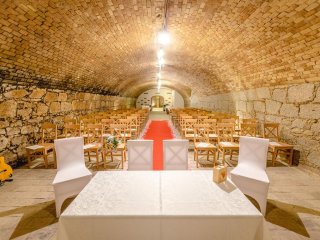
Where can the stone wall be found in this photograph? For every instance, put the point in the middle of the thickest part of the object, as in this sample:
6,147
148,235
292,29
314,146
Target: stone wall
22,110
295,107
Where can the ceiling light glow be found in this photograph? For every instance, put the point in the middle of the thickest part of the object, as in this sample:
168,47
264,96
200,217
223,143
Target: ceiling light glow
164,38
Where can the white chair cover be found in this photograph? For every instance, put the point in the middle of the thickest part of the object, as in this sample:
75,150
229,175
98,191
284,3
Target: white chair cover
140,154
175,154
250,175
72,175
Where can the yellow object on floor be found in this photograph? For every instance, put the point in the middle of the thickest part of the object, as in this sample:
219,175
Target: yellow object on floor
5,171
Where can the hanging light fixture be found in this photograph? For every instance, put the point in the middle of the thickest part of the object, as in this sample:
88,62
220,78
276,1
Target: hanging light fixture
163,39
164,36
160,53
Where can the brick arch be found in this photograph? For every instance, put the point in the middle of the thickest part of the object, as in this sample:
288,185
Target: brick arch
108,46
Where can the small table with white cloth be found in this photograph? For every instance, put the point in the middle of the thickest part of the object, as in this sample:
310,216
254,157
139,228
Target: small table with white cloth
166,205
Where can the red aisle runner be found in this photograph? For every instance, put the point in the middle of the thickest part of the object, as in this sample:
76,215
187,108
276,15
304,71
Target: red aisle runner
158,131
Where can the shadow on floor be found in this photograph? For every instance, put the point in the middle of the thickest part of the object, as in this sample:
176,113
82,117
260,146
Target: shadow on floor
287,215
34,217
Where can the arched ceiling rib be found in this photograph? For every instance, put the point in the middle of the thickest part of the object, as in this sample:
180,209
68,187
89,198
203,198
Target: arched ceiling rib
109,46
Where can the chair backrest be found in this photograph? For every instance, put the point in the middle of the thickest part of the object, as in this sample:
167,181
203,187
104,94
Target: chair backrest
248,129
49,132
201,119
253,152
119,131
189,126
94,133
271,131
140,154
72,130
249,120
69,152
70,121
225,132
175,154
201,133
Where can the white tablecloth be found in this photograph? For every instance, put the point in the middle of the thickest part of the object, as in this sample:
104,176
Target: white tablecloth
167,205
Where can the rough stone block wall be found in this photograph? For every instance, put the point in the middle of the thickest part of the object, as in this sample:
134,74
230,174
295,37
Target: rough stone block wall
23,109
295,107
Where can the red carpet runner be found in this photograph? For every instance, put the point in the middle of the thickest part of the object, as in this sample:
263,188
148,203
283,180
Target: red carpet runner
158,131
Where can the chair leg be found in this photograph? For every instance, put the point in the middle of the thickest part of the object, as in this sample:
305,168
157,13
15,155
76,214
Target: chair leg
105,159
197,156
97,158
291,157
122,162
214,158
29,160
223,155
274,156
231,154
45,158
54,159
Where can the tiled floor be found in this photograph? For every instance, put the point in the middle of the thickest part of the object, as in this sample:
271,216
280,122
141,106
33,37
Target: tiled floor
27,209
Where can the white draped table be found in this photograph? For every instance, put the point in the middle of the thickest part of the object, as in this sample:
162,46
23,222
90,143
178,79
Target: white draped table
154,205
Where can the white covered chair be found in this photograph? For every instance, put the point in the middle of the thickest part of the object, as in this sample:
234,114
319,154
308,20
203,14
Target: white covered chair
175,154
140,154
72,175
250,174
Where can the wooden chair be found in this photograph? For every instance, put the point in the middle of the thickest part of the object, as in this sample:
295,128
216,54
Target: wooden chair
183,123
134,125
34,152
127,131
189,133
118,131
49,133
271,131
94,142
213,136
225,140
202,146
106,127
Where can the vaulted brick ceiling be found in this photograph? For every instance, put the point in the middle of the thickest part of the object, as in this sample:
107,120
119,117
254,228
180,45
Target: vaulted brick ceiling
109,46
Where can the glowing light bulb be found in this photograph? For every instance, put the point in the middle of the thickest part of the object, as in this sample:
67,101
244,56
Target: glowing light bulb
164,37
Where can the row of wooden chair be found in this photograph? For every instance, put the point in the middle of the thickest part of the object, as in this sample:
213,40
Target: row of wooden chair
222,132
123,125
